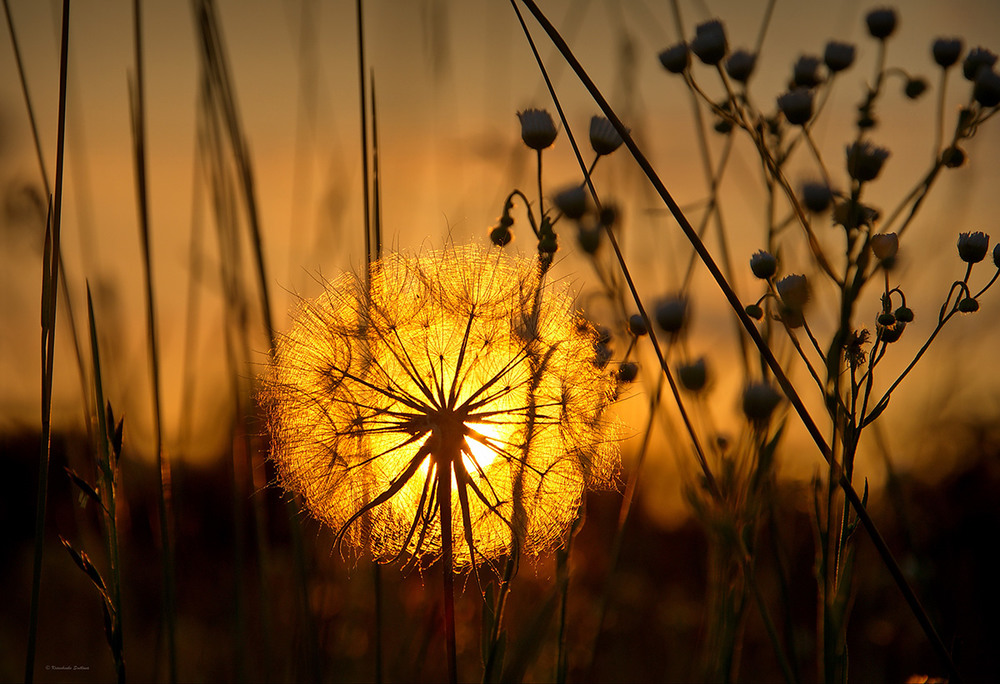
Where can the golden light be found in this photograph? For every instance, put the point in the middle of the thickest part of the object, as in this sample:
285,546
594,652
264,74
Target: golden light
463,361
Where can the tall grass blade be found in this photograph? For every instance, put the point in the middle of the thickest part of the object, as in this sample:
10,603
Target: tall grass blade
63,287
108,446
813,429
222,100
50,283
165,484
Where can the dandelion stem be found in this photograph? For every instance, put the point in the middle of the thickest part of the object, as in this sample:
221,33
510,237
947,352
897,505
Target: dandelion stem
444,504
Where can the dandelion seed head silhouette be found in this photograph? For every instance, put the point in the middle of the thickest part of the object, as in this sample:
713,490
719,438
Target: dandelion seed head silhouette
464,361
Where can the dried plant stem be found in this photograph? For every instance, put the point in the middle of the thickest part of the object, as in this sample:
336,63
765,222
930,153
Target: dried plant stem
165,487
779,374
50,282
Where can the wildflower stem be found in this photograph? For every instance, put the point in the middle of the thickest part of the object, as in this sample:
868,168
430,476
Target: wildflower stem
780,376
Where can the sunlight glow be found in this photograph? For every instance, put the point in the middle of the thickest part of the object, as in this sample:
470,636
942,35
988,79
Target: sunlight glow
375,386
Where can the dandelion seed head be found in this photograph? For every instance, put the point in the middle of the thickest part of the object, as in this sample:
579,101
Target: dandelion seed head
464,360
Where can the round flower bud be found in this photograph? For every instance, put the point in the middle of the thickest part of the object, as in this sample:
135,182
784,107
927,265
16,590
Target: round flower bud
603,136
538,131
946,51
886,319
885,245
627,372
881,22
676,58
740,65
892,333
709,43
763,264
978,58
608,216
953,157
571,201
805,72
723,126
864,160
816,196
693,376
501,236
838,56
637,326
914,88
904,314
986,88
797,106
996,256
754,311
972,247
671,313
589,238
794,291
968,305
759,402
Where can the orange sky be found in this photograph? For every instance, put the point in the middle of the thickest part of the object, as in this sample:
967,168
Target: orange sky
450,77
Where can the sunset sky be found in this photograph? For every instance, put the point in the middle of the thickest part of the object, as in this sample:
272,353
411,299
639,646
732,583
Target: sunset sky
450,77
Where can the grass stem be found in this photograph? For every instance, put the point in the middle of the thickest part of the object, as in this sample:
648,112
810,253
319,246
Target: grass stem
50,281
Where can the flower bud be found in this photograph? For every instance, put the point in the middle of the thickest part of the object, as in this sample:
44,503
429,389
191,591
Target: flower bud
501,236
892,333
759,402
671,313
797,106
986,88
603,136
740,65
886,319
914,88
627,372
881,22
694,375
904,314
968,305
763,264
709,42
805,72
589,238
538,131
571,201
978,58
816,196
754,311
637,326
794,291
864,160
996,256
885,245
972,247
953,157
838,56
946,51
676,59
